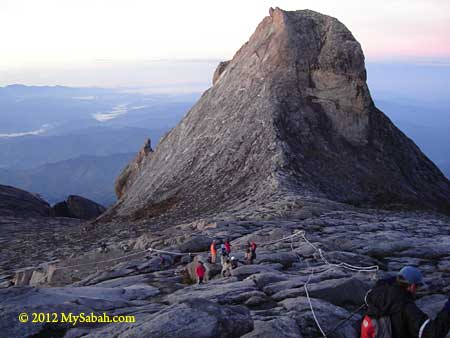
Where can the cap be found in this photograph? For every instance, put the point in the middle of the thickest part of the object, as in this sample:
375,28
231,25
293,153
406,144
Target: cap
411,275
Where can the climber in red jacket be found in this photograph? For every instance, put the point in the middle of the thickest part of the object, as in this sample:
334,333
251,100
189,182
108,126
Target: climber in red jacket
200,271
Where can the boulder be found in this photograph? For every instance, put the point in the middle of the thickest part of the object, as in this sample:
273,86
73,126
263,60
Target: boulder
77,207
224,291
20,203
282,327
284,258
432,304
22,277
340,292
244,271
328,315
67,300
194,318
265,278
196,243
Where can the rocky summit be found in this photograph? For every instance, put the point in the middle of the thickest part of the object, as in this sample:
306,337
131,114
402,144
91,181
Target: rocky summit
286,149
289,117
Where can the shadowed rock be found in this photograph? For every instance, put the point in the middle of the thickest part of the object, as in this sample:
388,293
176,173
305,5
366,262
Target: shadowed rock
20,203
77,207
132,170
196,318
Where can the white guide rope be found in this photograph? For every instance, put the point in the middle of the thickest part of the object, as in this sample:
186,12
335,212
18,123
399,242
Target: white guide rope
300,234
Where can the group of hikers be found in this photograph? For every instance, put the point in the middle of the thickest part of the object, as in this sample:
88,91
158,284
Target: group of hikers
391,311
227,261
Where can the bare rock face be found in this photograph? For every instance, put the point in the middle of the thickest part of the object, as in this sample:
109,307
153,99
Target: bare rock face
132,170
20,203
219,71
77,207
289,115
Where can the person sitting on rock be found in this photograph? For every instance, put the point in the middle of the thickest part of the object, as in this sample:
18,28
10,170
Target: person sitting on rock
391,308
226,268
200,272
213,251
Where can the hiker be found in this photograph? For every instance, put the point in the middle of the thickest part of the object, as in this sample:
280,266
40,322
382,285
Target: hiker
228,246
226,268
251,252
223,254
253,249
234,263
392,312
248,255
213,251
200,272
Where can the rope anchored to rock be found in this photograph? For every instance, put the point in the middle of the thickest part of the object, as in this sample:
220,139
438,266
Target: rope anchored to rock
299,234
343,265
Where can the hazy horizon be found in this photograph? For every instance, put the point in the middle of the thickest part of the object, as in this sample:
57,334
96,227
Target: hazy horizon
50,34
184,76
144,44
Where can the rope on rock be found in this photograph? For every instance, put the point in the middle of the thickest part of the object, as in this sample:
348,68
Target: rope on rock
310,303
373,268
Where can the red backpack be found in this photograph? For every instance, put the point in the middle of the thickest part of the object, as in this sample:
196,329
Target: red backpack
376,327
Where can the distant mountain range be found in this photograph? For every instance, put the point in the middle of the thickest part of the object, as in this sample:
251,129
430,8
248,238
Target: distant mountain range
31,151
90,176
59,141
81,132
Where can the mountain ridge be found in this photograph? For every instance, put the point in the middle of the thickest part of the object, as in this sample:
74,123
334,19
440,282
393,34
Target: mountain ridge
86,175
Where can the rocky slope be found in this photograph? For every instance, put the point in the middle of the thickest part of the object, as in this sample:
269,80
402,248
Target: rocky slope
286,134
19,203
289,116
133,169
266,299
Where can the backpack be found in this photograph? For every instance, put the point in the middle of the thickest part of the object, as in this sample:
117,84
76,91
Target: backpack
376,327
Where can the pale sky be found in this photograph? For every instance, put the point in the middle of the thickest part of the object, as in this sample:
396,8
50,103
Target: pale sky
64,34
